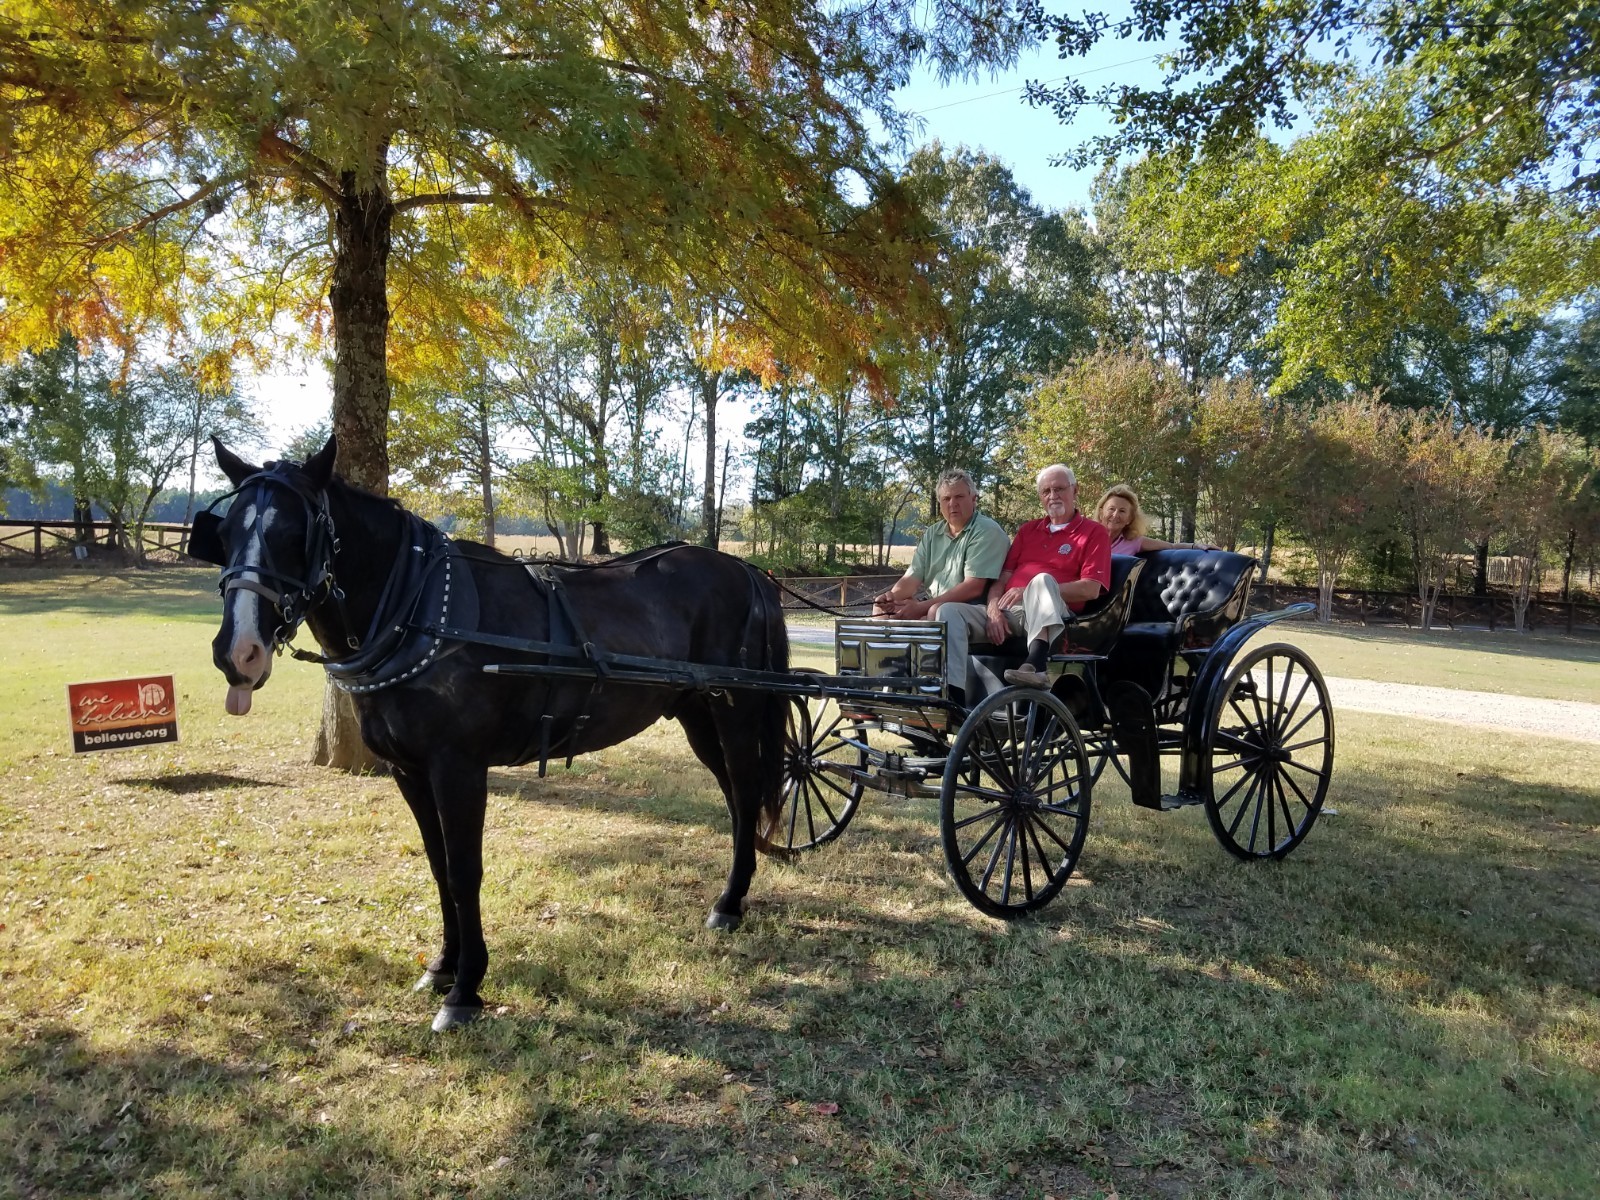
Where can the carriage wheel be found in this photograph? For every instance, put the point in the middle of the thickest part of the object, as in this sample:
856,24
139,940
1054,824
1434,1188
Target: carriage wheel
1271,753
1014,808
818,800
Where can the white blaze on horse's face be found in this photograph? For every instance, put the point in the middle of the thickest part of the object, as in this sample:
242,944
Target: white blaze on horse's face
248,652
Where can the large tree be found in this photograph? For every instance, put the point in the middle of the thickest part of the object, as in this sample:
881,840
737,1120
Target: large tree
1017,284
302,159
1455,157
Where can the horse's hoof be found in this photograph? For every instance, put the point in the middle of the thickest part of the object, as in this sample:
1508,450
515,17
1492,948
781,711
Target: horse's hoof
453,1016
436,981
724,921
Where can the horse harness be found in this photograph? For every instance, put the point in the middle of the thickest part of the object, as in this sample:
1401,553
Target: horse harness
429,606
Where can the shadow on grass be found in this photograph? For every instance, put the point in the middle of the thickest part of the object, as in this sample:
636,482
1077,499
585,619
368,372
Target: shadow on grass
172,593
1183,1025
187,783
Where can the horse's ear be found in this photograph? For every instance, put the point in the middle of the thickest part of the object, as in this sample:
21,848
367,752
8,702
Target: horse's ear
319,467
234,467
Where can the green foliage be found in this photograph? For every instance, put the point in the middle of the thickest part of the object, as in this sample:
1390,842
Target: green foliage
1017,288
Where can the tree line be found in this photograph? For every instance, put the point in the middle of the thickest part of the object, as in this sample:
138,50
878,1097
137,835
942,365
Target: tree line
584,225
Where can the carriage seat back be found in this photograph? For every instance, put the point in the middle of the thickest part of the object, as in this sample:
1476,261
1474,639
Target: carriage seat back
1184,600
1201,593
1101,621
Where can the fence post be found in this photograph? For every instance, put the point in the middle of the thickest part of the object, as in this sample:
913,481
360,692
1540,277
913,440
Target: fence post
38,543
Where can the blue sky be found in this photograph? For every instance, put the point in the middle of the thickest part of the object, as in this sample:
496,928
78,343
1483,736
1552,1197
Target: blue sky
991,114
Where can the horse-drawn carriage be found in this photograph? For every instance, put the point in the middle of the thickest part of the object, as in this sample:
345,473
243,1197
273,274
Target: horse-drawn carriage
457,658
1153,671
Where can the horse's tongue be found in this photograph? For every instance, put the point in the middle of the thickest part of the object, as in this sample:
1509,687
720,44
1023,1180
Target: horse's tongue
239,700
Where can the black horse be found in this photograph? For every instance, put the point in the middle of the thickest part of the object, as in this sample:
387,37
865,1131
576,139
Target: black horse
407,621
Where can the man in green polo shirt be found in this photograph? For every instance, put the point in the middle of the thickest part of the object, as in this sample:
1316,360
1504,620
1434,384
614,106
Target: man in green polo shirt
955,560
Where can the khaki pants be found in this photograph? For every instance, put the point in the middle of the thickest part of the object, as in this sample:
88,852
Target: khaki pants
1040,615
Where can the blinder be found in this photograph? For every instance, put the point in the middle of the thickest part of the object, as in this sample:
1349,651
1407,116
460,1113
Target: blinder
291,596
205,539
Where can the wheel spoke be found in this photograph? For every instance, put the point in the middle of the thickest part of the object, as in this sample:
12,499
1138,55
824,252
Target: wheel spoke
1308,770
999,820
1019,836
1255,820
1244,805
994,760
1000,843
822,800
1054,837
1290,825
1242,780
1267,795
986,814
1316,741
1289,779
1301,724
991,795
1289,710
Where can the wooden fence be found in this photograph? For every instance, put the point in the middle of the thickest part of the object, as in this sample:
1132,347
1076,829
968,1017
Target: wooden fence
854,593
42,541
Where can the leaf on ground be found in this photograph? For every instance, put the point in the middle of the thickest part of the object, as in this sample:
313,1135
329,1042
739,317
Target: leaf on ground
825,1108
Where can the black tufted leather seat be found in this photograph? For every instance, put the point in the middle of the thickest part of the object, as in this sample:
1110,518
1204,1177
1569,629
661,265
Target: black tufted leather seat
1184,600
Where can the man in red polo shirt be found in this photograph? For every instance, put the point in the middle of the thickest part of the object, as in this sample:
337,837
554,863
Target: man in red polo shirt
1059,562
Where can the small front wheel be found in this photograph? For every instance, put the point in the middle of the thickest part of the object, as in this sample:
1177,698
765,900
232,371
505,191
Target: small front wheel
822,749
1014,808
1269,753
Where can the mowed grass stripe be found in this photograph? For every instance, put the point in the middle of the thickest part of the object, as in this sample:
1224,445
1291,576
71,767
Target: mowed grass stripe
208,948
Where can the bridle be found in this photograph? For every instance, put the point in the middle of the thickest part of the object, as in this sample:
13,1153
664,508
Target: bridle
291,596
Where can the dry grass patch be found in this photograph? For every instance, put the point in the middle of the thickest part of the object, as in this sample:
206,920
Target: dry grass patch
207,953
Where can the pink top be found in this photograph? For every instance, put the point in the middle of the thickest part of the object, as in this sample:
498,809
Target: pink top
1127,545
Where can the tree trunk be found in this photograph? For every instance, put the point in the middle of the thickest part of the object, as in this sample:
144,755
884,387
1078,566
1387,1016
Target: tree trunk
709,386
486,473
722,491
359,300
1566,565
1270,529
1480,569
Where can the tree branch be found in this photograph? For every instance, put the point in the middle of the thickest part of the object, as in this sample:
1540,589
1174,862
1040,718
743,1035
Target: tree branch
166,210
428,198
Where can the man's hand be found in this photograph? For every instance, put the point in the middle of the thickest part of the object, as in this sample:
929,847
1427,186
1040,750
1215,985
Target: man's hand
999,629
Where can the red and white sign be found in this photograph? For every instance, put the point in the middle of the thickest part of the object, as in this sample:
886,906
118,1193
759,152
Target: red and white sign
120,713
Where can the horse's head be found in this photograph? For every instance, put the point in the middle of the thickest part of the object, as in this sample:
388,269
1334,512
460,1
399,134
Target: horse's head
275,546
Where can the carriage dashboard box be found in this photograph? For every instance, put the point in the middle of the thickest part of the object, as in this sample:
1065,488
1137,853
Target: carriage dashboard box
118,714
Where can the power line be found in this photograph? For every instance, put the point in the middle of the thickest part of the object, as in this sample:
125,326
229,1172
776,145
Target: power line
1043,83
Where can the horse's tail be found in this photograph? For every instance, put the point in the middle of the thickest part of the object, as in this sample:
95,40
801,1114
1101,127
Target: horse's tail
775,713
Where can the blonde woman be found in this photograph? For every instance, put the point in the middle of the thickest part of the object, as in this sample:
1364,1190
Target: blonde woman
1124,520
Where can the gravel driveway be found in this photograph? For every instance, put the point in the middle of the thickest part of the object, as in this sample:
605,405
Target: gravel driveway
1570,719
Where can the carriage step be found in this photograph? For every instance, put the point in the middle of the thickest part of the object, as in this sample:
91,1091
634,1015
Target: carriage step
1183,800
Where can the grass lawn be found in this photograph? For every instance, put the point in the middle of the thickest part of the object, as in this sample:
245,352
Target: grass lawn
207,951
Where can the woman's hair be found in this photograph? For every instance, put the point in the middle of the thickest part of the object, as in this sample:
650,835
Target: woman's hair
1136,523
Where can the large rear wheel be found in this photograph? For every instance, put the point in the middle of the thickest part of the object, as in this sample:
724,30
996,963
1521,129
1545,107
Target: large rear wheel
821,748
1270,753
1014,807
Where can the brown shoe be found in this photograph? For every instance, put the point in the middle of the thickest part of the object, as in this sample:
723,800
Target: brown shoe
1029,676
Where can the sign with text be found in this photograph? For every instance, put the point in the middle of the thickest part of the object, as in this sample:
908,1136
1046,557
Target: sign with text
120,713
